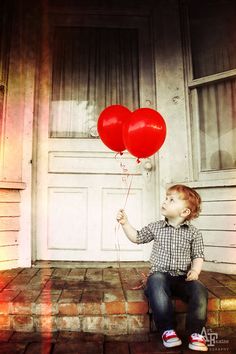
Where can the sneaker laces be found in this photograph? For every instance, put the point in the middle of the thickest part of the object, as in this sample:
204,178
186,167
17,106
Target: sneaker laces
169,332
198,336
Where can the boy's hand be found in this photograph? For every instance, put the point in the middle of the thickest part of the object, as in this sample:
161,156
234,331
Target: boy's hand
192,275
121,217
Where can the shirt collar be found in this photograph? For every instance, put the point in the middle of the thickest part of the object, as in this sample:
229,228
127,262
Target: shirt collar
166,223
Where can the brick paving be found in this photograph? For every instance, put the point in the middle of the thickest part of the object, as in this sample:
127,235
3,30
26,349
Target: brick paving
70,307
64,342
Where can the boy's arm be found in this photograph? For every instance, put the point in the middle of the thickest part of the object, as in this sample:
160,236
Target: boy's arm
129,230
197,257
195,269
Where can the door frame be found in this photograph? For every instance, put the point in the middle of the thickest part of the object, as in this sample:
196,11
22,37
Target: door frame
43,84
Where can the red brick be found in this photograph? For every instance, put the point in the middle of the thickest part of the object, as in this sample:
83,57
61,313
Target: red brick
79,336
94,274
232,287
138,324
90,308
224,279
4,308
213,318
68,323
222,292
135,308
51,284
135,295
45,323
155,347
114,301
13,348
27,296
45,272
77,274
19,283
81,347
115,308
116,325
49,296
92,296
227,318
70,296
46,308
5,336
33,337
111,276
22,308
29,272
8,295
44,347
23,323
114,295
213,304
118,348
5,322
60,272
93,324
228,304
68,309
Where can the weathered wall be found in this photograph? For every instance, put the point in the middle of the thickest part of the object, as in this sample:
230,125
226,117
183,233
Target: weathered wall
9,227
16,140
218,217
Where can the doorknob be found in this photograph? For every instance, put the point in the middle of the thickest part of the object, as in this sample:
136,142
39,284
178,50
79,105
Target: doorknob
147,166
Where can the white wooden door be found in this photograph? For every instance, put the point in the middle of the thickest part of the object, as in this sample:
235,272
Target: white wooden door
80,183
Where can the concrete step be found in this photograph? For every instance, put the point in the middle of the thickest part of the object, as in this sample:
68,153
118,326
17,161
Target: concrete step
97,299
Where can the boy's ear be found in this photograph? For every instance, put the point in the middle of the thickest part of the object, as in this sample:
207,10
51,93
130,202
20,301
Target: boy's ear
186,212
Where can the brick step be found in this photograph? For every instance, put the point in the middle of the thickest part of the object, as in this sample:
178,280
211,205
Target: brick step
97,301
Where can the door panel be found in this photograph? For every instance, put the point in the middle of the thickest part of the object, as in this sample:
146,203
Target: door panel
80,182
67,209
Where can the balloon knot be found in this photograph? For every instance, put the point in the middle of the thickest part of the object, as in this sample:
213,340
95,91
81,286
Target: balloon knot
118,153
138,160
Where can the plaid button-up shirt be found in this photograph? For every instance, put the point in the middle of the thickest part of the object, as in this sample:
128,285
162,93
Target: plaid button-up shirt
174,248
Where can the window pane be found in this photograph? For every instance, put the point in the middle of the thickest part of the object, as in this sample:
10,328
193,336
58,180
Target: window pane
217,115
213,36
92,69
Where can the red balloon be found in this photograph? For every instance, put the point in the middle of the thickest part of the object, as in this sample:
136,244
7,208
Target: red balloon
110,126
144,132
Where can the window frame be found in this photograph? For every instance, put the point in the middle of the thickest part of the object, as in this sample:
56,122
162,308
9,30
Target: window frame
191,86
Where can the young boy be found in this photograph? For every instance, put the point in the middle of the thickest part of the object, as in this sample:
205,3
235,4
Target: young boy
176,262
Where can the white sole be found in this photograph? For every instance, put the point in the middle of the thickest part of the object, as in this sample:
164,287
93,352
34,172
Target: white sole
197,348
172,344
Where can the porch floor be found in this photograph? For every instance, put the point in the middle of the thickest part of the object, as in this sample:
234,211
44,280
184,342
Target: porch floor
74,307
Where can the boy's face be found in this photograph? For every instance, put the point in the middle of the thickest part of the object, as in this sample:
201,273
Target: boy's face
173,206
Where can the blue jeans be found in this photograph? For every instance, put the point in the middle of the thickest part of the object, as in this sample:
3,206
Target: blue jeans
160,289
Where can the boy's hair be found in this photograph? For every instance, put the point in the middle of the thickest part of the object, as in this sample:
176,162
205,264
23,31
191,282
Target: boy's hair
192,198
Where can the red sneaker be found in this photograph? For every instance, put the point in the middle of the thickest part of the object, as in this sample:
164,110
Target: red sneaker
197,342
170,339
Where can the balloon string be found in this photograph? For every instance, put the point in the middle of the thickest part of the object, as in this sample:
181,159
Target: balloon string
128,192
117,245
117,227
